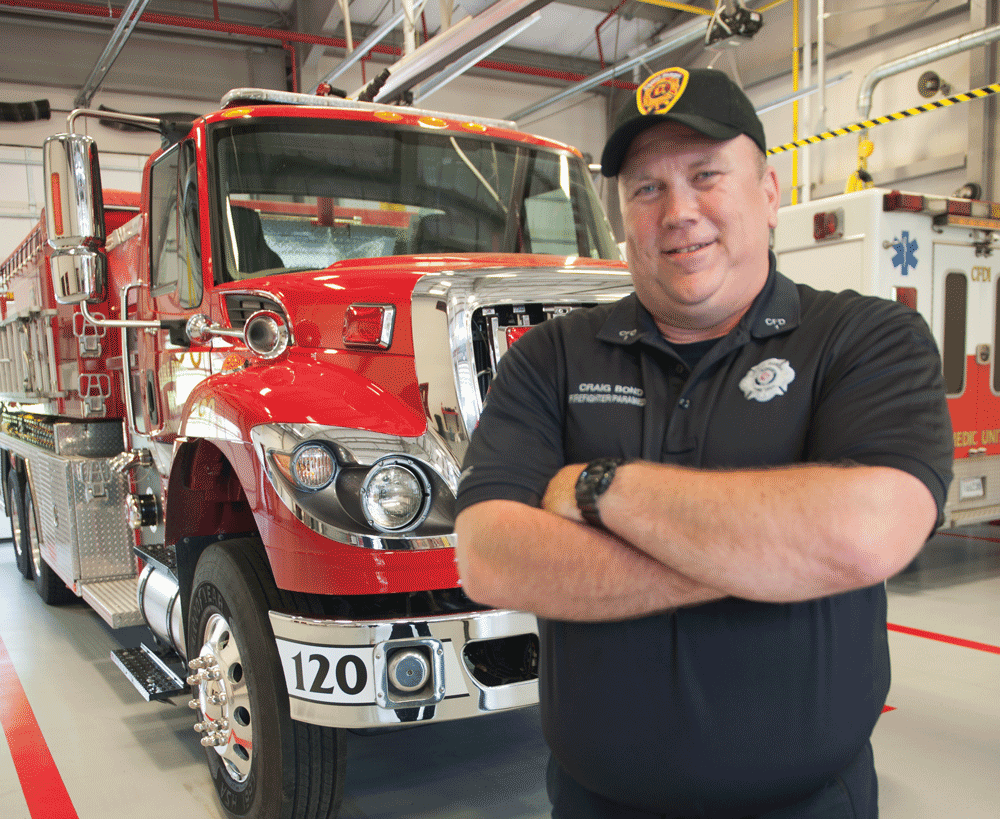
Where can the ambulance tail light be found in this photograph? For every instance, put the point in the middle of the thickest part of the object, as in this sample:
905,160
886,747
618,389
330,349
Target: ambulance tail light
970,213
369,325
828,224
896,200
906,295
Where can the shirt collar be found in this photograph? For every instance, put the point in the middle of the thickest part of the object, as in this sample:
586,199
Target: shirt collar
776,309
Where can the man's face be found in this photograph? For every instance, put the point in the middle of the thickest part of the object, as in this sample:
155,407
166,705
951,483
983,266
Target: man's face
697,216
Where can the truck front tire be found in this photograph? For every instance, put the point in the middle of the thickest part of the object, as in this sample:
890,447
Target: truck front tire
265,765
15,502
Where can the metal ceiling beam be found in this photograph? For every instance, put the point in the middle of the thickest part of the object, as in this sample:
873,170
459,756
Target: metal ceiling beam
637,10
463,64
126,23
450,45
362,50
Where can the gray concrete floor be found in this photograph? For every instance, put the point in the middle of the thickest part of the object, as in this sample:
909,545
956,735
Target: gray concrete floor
938,752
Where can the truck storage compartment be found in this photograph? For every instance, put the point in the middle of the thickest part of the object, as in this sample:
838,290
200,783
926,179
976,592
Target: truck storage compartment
80,501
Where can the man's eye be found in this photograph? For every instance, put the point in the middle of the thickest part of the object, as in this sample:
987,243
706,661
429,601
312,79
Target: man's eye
704,176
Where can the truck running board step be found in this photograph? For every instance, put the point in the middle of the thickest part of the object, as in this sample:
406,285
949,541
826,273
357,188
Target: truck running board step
164,557
115,601
149,674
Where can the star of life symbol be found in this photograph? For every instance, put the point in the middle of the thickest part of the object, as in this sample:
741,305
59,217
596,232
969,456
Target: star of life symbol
766,380
906,253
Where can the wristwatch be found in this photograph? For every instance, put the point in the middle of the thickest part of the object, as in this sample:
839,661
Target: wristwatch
594,482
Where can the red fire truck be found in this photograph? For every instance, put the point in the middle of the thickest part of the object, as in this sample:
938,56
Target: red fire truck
935,254
235,408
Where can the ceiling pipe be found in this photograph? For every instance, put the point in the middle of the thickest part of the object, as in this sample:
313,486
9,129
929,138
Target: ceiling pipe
927,55
597,30
685,35
463,64
173,21
293,60
452,44
126,23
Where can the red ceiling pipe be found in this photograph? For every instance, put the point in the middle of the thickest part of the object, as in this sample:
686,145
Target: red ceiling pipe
281,35
552,74
600,25
290,48
90,10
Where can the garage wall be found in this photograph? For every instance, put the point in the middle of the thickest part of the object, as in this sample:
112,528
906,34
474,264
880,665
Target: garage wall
21,192
926,153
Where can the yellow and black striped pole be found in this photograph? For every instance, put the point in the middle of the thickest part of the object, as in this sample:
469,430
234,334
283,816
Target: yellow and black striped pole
864,125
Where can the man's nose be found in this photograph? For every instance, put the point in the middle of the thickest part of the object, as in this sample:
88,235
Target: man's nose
679,207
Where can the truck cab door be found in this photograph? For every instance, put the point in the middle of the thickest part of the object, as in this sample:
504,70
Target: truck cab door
166,368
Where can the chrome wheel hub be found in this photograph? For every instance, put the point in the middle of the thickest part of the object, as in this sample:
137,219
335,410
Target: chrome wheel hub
222,697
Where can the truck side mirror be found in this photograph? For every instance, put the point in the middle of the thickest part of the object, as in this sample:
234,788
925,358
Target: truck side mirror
74,218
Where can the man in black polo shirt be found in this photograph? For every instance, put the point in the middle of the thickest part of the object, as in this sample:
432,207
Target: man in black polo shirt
700,491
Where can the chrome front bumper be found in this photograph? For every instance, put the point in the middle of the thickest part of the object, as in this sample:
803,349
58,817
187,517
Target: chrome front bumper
338,672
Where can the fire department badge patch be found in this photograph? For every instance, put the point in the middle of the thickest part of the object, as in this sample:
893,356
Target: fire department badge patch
767,379
661,90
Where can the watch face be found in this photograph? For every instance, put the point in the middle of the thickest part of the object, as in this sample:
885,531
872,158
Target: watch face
602,473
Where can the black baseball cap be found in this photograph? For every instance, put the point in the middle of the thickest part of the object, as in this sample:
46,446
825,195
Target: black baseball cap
703,99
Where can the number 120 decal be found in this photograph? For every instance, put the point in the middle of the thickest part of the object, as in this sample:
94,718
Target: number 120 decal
327,673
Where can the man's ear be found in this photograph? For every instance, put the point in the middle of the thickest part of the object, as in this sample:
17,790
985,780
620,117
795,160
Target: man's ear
772,191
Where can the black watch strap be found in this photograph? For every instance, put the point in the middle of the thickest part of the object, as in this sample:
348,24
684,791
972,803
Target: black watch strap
592,483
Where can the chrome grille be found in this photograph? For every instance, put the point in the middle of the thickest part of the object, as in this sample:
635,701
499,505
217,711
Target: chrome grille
491,336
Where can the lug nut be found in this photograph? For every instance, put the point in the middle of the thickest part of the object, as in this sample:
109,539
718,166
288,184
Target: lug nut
196,679
213,740
218,699
212,674
194,705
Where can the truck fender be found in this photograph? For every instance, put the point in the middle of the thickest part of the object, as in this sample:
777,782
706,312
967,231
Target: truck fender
225,406
206,504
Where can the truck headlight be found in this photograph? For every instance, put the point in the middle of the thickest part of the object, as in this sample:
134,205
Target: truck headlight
394,496
313,467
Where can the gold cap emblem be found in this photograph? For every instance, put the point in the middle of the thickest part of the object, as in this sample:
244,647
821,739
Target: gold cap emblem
661,90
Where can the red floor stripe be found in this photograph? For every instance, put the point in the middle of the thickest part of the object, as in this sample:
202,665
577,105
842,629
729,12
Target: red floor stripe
43,787
971,537
944,638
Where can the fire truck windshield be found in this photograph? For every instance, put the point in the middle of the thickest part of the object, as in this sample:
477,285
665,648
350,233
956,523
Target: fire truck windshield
295,194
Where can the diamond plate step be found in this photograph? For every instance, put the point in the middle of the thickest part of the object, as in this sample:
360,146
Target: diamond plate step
115,601
152,677
164,557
